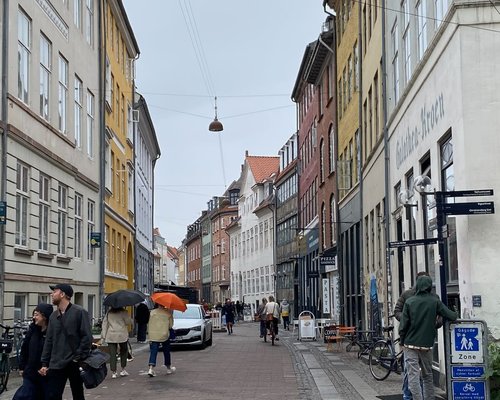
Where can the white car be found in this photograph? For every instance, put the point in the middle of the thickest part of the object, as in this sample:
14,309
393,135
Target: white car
192,327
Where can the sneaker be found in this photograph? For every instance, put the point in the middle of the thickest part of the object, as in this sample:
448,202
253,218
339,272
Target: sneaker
276,338
114,375
151,372
170,370
123,373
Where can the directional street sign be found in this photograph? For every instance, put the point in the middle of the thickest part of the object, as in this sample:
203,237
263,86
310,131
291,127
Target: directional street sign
468,193
416,242
484,207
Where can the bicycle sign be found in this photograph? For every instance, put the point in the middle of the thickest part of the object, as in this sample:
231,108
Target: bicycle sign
467,343
469,390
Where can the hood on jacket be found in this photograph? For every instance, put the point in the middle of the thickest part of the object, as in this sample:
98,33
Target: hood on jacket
424,284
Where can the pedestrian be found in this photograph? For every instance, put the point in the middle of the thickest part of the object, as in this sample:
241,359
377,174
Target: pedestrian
417,332
205,305
68,341
142,319
273,308
228,311
398,310
160,324
239,311
285,314
35,386
115,334
261,312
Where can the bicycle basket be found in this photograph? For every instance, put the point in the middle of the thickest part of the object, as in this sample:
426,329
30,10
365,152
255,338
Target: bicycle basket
5,346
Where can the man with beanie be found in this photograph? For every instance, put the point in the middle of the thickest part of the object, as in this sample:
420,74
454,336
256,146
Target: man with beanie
417,332
68,341
34,385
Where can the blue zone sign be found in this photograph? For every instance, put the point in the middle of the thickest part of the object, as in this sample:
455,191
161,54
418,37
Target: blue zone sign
463,390
466,344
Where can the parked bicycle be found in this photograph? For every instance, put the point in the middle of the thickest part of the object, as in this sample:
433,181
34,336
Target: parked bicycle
383,358
6,345
363,340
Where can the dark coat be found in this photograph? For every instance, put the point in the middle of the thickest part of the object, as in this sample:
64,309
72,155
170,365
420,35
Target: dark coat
142,314
30,358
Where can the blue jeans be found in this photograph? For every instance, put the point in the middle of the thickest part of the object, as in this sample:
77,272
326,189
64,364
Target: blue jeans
153,352
406,390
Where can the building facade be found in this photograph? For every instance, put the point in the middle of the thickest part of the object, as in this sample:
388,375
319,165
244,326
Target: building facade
50,154
194,254
121,51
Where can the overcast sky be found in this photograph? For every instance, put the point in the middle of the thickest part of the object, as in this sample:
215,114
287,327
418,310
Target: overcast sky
248,54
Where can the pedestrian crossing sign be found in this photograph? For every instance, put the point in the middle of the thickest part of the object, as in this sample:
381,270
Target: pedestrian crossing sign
466,343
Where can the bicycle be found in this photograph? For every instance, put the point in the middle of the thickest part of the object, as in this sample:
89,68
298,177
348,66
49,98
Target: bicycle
383,358
6,345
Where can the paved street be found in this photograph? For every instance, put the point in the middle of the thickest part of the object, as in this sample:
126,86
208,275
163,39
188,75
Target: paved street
241,366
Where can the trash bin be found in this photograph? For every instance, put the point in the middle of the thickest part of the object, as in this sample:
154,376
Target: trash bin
307,325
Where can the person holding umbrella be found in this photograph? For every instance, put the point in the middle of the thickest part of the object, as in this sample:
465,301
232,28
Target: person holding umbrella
115,334
160,323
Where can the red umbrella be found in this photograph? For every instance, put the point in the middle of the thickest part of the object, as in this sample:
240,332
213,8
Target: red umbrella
169,300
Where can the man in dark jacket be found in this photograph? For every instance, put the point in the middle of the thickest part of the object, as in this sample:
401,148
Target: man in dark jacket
417,332
142,319
68,341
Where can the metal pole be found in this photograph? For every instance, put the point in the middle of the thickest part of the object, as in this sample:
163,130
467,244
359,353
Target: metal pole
441,225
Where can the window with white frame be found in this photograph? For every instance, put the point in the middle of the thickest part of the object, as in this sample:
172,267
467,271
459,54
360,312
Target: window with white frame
43,212
108,167
106,247
421,27
395,61
90,123
441,6
77,13
89,21
63,94
45,70
130,191
22,203
406,40
78,225
109,84
331,140
20,304
355,51
90,229
23,55
78,111
62,218
130,125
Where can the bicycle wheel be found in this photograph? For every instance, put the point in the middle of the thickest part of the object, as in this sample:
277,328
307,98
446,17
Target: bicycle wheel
4,371
380,360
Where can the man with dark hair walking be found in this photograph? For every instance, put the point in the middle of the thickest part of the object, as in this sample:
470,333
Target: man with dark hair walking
417,332
68,341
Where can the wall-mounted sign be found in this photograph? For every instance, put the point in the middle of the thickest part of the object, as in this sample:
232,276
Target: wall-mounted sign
326,295
3,212
95,239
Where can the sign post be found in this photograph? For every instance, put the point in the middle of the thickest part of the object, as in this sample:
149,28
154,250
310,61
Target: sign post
467,353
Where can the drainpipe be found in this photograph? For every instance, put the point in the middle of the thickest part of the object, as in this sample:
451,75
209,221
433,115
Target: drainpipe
387,193
102,149
4,116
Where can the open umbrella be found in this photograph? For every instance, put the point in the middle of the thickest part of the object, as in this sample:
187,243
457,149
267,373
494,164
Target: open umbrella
124,298
169,300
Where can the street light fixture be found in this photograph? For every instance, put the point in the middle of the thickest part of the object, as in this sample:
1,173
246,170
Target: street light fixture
215,125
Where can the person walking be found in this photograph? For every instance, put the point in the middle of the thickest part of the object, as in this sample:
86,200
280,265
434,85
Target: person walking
273,308
285,314
261,312
228,311
142,319
35,386
417,332
115,334
239,311
160,323
68,341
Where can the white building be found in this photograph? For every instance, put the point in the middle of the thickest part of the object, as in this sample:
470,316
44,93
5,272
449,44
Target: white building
50,154
443,96
147,151
252,233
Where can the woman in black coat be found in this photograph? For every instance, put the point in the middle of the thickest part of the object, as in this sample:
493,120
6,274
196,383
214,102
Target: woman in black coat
34,385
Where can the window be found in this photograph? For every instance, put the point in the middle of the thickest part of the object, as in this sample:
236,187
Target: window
322,161
62,218
63,93
332,220
77,13
78,111
356,66
90,229
331,138
109,84
406,40
78,225
22,202
23,55
43,212
117,109
395,61
421,27
90,123
130,191
19,306
349,78
122,184
108,167
89,19
375,104
130,125
441,6
45,69
106,247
